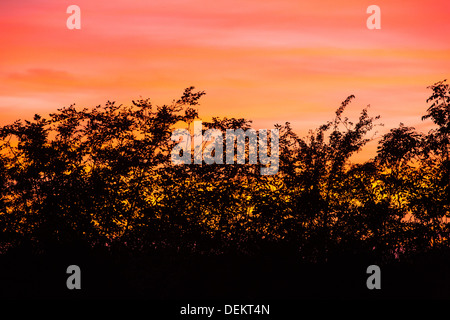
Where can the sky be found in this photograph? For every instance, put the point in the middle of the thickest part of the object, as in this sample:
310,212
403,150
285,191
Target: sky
270,61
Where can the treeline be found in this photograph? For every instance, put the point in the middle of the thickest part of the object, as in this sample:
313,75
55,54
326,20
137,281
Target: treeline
103,178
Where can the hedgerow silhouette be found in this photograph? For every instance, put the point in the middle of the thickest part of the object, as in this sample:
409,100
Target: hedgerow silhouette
103,178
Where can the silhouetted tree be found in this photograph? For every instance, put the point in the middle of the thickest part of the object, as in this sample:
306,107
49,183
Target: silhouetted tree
103,178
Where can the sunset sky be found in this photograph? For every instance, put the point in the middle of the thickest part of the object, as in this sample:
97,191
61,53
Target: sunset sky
271,61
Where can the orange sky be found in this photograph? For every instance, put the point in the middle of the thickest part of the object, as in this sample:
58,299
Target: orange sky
268,60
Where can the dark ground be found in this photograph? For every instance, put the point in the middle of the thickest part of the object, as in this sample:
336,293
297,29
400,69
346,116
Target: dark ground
172,276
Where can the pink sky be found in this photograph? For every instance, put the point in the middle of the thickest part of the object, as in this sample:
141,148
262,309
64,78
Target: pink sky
267,60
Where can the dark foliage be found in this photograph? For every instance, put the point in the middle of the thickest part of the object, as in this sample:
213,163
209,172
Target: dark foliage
99,184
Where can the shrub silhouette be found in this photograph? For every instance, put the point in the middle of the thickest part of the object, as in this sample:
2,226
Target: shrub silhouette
103,178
